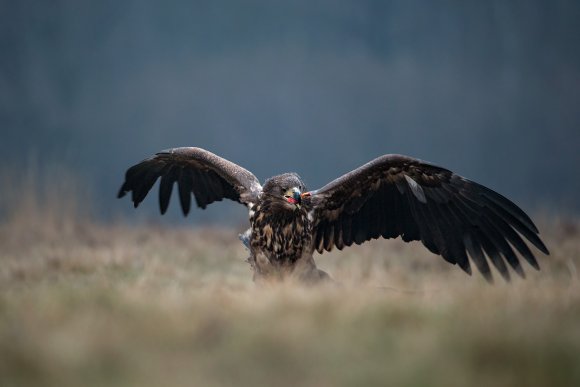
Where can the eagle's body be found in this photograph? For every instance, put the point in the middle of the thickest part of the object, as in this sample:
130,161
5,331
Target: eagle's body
281,243
388,197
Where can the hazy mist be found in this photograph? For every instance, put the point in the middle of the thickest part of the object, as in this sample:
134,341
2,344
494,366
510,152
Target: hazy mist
490,90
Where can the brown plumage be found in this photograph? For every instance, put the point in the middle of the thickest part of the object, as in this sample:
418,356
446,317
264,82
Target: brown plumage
391,196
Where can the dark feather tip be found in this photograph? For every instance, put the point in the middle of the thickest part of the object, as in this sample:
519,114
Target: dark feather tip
488,277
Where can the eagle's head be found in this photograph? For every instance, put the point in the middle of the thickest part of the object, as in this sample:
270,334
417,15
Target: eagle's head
286,190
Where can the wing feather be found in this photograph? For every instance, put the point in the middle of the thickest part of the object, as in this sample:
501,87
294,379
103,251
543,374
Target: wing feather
185,187
200,173
454,217
474,249
165,189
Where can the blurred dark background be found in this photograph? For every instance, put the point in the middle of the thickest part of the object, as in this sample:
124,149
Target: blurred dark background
488,89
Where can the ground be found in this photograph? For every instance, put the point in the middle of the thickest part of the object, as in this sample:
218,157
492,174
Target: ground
92,304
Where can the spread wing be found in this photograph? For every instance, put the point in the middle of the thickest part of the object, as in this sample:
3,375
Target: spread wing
208,177
396,195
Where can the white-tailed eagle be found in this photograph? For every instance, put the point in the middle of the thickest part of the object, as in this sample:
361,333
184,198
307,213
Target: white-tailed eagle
391,196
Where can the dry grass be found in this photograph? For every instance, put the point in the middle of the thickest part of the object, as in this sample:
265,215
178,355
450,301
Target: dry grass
83,303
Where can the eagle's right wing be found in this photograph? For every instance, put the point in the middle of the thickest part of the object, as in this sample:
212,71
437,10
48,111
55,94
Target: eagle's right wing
396,195
209,177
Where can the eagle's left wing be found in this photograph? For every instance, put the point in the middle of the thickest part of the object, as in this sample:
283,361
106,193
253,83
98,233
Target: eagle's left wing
396,195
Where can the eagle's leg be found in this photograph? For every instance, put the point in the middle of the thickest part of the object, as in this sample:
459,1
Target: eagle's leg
322,276
245,238
305,271
314,277
260,273
252,261
264,268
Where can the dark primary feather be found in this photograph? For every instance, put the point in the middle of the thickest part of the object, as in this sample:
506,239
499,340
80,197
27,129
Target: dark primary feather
396,195
208,177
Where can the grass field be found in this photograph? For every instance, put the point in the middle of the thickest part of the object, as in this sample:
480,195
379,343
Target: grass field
89,304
